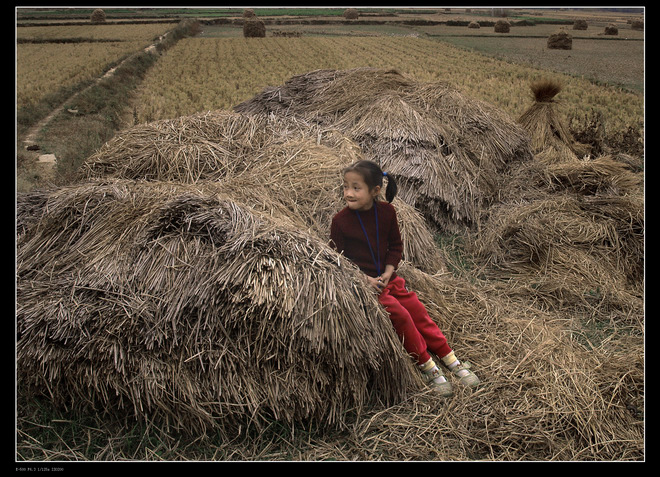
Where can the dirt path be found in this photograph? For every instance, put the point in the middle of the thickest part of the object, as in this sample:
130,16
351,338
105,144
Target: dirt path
45,163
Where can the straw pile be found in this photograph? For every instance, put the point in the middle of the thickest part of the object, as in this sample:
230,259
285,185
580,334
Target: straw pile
637,25
254,27
580,25
611,29
351,14
446,151
502,26
569,230
561,40
185,306
549,134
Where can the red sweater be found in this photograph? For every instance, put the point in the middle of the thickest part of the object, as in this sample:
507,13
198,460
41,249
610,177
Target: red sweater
347,236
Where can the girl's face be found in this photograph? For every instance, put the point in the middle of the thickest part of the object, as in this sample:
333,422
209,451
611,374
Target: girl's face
356,192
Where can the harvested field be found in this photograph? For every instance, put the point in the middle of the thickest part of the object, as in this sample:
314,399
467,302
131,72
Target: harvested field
618,62
181,293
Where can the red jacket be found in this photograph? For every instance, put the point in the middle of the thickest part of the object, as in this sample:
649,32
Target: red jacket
347,236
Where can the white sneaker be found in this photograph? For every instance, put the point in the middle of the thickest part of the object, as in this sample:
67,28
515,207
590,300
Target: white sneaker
464,375
436,378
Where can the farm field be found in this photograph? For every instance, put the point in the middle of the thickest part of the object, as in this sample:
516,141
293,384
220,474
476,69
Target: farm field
601,61
156,262
216,73
53,57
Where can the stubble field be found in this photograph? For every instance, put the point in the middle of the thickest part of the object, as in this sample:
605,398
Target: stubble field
569,386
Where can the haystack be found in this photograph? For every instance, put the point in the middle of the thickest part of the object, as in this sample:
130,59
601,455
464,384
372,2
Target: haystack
502,26
254,28
445,150
474,24
184,306
98,16
569,251
580,25
611,29
549,134
561,40
283,166
569,228
351,14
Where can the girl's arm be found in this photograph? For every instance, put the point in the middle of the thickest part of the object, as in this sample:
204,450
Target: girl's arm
394,247
336,237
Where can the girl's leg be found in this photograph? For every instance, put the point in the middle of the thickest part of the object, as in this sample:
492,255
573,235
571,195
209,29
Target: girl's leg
404,326
434,338
430,332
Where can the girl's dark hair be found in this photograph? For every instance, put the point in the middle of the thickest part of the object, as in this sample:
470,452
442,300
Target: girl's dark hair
373,176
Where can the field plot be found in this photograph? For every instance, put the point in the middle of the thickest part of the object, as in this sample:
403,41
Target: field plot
201,74
54,57
618,62
45,68
130,32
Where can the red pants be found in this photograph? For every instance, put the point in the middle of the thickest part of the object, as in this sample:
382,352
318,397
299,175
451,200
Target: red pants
412,322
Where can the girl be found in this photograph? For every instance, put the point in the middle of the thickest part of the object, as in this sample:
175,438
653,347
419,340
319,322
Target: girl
367,232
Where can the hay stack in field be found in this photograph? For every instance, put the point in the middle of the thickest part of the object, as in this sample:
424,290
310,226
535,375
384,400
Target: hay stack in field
502,26
208,145
254,28
602,175
351,14
580,25
637,25
569,228
560,40
282,166
445,150
98,16
569,250
611,29
549,134
474,24
183,306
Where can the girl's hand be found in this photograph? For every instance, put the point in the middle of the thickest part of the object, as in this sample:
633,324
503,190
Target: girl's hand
375,282
386,275
379,283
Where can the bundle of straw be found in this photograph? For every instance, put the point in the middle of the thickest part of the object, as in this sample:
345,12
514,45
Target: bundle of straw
549,133
186,307
568,250
568,229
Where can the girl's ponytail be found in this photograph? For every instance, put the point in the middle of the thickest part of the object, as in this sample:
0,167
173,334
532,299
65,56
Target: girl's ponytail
390,191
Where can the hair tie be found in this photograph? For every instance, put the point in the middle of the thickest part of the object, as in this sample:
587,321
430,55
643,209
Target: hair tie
384,174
